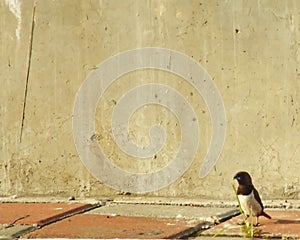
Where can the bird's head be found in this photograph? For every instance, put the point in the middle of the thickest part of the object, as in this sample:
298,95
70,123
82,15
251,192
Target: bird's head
243,178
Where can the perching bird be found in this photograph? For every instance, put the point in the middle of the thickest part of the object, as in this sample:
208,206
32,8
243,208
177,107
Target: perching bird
249,197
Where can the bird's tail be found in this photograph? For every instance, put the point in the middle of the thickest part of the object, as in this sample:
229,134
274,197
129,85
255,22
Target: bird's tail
266,215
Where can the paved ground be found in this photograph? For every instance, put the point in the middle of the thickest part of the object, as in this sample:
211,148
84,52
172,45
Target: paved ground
138,219
285,224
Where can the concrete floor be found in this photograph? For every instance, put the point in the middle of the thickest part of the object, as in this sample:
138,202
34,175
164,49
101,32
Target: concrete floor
131,219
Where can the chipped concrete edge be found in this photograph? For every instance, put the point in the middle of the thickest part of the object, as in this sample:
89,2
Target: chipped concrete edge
279,204
15,199
22,232
15,232
129,199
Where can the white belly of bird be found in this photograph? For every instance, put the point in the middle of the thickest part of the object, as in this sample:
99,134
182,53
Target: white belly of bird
249,204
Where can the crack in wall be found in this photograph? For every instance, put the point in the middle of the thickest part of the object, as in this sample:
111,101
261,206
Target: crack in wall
28,71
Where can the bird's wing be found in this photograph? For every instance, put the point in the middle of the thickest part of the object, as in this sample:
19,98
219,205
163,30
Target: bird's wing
257,197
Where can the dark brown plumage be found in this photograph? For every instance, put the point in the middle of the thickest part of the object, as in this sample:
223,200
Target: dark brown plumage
248,196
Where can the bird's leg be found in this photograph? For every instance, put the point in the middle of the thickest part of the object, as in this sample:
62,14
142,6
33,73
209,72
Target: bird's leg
257,223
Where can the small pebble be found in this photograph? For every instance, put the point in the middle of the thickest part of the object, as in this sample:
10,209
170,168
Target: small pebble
288,206
71,198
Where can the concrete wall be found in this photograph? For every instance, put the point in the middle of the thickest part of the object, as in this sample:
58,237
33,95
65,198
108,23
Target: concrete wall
249,48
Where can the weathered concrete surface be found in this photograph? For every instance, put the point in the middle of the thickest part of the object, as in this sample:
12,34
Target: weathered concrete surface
250,49
284,224
120,220
39,214
135,221
160,211
104,227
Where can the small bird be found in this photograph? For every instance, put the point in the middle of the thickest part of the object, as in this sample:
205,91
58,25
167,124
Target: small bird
249,197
